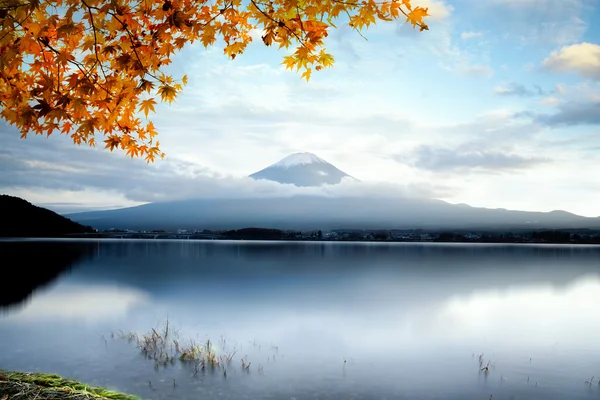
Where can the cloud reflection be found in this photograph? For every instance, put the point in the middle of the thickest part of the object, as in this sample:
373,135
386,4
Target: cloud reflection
543,311
82,302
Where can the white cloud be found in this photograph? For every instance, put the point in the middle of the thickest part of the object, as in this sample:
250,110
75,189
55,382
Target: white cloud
470,35
579,91
67,201
455,57
438,10
525,4
536,21
582,58
256,34
517,89
529,67
476,70
550,101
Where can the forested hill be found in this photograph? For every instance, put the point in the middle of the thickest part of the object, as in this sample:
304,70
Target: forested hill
19,218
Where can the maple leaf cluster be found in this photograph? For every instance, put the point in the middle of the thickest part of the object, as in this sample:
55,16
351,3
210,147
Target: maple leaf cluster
93,67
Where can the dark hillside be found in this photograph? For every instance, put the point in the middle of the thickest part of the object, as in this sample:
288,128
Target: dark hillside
19,218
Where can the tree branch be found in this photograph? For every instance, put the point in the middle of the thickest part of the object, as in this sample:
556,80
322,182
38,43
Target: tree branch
300,40
98,62
130,36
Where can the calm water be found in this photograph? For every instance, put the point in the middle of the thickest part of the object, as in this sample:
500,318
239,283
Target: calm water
410,320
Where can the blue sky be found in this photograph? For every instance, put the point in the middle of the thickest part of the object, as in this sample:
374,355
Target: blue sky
497,105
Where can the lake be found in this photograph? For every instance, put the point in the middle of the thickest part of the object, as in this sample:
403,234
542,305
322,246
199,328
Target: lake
314,320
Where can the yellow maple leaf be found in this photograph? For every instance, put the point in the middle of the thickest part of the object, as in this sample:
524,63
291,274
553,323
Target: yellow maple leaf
306,74
147,105
167,93
151,130
289,62
415,17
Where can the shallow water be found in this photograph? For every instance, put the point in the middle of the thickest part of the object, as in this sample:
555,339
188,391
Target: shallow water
320,320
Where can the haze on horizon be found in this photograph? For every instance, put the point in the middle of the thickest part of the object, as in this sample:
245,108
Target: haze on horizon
498,105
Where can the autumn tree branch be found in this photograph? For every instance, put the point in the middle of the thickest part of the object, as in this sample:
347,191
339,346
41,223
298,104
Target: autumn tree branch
280,23
145,70
46,55
93,25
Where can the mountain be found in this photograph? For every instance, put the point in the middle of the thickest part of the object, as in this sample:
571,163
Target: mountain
22,219
314,212
302,169
325,213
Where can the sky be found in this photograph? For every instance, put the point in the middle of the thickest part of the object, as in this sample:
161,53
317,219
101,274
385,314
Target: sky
497,105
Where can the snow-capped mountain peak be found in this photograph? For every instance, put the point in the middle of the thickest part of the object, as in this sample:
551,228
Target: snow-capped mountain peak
298,159
302,169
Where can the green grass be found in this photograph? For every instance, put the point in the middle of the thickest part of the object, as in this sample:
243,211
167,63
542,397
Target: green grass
35,385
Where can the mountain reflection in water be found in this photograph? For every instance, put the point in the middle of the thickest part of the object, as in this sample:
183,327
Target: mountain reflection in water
323,320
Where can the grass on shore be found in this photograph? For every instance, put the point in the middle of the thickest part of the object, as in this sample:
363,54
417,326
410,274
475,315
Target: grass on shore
35,385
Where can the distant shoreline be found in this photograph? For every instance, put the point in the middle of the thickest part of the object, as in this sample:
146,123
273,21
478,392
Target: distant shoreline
554,236
563,237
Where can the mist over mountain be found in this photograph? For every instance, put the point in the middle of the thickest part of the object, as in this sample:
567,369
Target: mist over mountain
314,212
302,169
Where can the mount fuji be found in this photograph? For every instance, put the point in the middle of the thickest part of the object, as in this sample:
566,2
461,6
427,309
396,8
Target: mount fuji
302,169
323,212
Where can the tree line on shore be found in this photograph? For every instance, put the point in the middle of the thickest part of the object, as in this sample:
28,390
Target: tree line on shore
580,236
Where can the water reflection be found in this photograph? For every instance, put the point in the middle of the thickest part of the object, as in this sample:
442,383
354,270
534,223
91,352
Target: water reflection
82,302
543,312
33,264
410,320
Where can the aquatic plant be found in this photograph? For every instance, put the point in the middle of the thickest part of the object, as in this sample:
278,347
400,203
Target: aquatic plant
164,347
486,369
